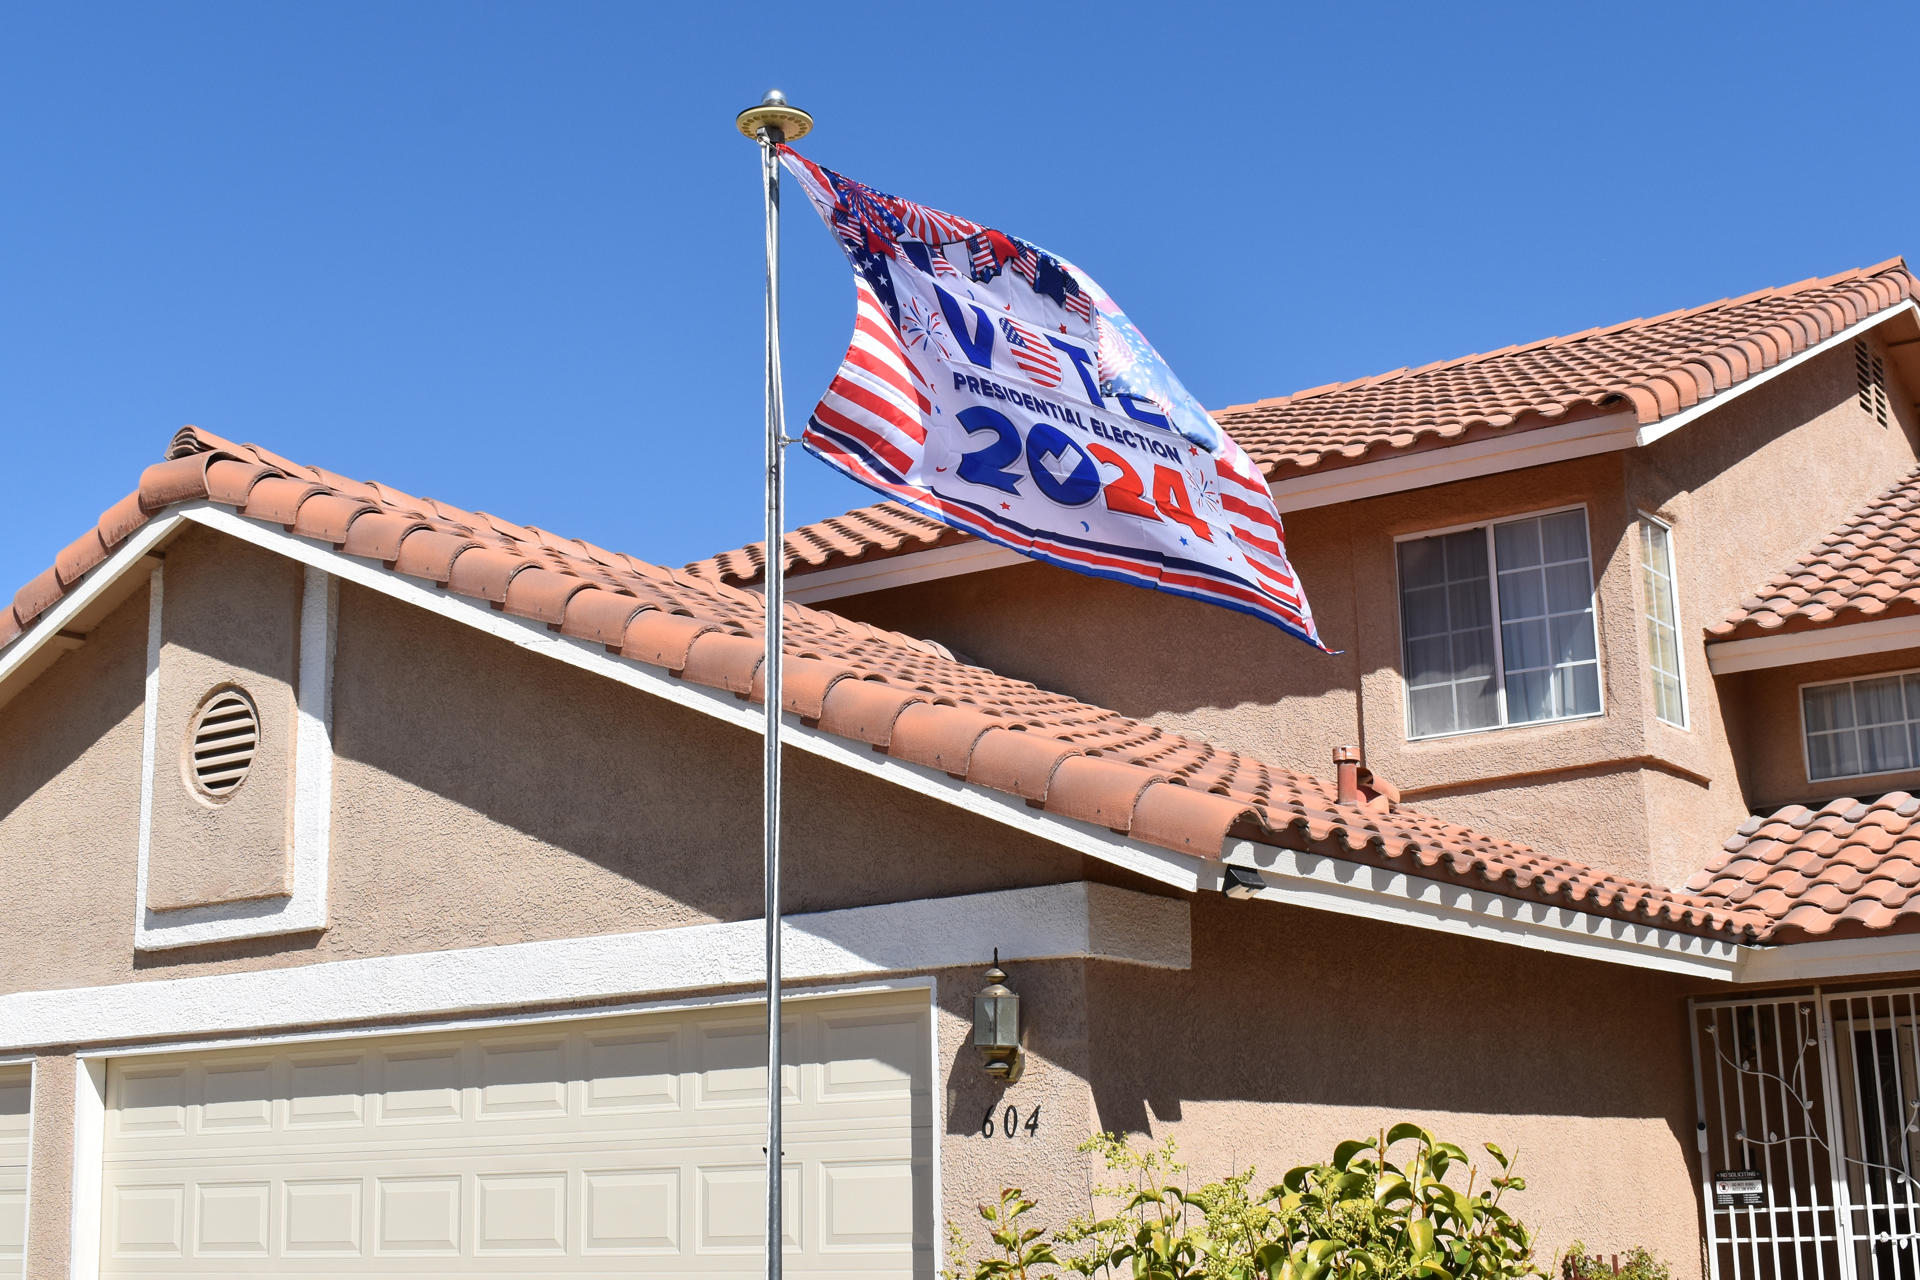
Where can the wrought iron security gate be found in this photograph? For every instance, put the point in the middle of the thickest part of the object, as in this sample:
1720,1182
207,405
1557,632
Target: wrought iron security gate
1819,1094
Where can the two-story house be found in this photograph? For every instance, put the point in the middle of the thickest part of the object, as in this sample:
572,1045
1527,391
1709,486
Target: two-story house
379,880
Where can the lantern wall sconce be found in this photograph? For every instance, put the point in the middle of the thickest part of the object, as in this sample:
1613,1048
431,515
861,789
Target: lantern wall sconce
996,1026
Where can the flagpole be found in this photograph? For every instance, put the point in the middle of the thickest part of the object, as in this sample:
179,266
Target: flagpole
771,123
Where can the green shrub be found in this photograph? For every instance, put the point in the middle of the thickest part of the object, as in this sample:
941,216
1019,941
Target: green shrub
1359,1216
1640,1264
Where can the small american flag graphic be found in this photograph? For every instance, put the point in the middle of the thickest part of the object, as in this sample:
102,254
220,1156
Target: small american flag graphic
1032,352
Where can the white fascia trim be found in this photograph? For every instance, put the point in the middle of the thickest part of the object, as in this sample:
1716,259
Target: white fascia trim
1444,465
1374,893
1076,920
898,571
1817,961
47,628
1848,640
1667,426
305,909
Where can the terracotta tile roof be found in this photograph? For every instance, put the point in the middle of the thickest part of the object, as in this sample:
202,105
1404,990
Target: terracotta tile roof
1867,568
1655,367
900,695
1851,867
867,533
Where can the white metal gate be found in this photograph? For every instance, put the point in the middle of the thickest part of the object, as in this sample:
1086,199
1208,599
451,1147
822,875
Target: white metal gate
1820,1095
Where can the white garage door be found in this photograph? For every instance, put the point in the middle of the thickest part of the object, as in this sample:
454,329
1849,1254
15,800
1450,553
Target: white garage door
15,1099
590,1147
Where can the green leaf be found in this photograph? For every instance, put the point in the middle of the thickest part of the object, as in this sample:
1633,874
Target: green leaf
1344,1153
1407,1129
1497,1154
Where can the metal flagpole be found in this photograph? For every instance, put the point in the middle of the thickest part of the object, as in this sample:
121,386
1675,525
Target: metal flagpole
771,123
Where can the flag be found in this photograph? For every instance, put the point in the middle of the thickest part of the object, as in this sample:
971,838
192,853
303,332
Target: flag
996,388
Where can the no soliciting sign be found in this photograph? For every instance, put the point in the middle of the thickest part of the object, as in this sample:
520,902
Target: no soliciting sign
1738,1189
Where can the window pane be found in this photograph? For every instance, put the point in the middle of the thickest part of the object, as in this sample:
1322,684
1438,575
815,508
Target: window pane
1578,689
1572,638
1517,544
1522,595
1468,603
1529,696
1473,653
1479,703
1431,710
1421,563
1466,555
1878,701
1525,644
1564,536
1828,707
1822,760
1568,588
1884,748
1429,661
1425,611
1667,702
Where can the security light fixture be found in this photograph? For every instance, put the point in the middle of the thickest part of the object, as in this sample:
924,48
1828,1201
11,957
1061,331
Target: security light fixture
1242,882
996,1026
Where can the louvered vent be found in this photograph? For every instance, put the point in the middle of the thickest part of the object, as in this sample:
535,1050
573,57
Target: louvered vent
1870,374
222,743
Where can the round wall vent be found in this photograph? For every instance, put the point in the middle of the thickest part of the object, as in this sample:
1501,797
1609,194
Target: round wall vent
222,742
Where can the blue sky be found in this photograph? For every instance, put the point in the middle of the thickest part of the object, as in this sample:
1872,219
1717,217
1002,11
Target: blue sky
508,255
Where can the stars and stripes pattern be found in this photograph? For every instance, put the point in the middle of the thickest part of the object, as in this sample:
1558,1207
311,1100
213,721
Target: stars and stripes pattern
1032,352
903,415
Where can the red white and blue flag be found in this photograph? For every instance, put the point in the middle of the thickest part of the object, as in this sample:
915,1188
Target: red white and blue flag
995,387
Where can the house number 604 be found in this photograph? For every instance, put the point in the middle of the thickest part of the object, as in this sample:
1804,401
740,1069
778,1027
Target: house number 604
1008,1124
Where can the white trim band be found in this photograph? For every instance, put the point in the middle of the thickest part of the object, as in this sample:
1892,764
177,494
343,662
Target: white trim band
1076,920
1790,649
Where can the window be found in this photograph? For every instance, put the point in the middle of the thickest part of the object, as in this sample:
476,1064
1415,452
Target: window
1663,622
1496,625
1861,726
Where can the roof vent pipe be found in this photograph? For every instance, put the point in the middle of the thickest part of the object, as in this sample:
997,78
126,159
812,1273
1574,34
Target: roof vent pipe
1346,771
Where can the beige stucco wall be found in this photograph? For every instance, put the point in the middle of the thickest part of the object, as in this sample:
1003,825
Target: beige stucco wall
484,794
230,619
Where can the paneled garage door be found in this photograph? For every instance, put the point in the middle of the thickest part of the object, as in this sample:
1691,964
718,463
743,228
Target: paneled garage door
15,1099
590,1147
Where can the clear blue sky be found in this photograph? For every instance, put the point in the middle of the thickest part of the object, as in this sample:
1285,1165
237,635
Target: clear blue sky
508,255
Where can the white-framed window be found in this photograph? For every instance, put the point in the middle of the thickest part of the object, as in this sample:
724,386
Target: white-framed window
1660,605
1856,727
1497,624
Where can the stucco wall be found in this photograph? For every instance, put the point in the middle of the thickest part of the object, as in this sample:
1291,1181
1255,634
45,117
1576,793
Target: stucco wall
1295,1030
230,619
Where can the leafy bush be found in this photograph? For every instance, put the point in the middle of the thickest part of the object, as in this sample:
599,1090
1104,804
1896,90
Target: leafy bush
1360,1216
1578,1264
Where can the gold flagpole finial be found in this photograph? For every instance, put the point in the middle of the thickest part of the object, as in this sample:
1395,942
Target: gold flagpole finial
782,121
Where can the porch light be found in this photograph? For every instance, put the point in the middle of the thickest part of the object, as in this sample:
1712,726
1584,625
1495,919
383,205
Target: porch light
996,1026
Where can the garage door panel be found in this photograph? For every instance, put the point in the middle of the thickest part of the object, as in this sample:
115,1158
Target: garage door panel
591,1147
16,1101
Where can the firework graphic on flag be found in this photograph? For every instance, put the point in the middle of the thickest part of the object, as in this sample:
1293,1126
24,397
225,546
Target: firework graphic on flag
923,329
